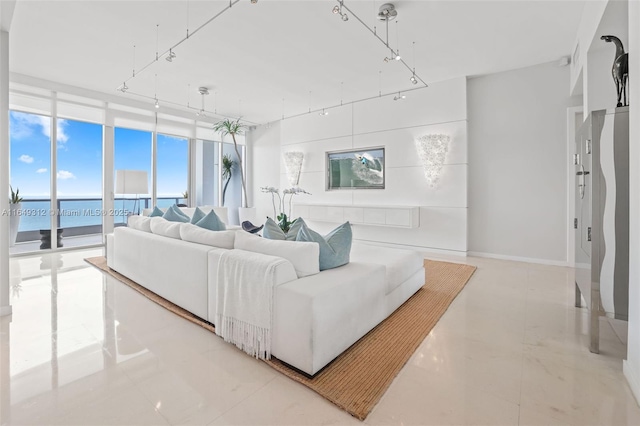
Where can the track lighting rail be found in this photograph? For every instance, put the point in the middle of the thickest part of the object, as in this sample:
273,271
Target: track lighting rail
170,50
393,53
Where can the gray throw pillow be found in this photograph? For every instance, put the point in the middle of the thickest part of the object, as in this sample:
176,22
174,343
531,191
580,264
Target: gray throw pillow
335,247
273,231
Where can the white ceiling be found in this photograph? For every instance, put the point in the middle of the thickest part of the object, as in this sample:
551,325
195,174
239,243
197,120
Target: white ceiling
254,56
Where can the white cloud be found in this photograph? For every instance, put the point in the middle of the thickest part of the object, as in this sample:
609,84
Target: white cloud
23,125
64,174
41,171
26,158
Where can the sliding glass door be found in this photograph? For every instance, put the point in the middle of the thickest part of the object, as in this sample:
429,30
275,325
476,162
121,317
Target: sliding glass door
30,144
132,151
79,182
172,168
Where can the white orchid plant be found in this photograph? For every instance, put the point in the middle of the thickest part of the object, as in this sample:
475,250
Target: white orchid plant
283,218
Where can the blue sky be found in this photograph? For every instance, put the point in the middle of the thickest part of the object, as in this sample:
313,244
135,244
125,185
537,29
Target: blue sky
79,150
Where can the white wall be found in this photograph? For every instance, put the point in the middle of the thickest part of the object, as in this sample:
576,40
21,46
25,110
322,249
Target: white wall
518,163
632,364
441,108
263,168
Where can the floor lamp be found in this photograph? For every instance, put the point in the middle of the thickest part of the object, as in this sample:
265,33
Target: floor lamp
132,182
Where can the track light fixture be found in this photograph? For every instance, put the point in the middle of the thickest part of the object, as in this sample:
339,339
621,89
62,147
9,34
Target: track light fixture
171,56
413,79
324,112
387,12
157,105
399,97
254,1
124,87
338,11
203,92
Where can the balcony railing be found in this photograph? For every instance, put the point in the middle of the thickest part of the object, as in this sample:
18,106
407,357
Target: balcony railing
79,216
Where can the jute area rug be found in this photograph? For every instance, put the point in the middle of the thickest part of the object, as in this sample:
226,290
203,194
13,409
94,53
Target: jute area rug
356,380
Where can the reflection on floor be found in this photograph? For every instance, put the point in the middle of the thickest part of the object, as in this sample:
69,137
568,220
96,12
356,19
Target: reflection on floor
82,348
79,241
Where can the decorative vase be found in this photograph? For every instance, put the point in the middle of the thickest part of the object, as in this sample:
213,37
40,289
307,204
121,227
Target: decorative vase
247,213
14,222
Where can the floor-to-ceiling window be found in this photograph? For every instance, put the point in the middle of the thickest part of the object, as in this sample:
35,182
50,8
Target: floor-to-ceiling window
30,140
79,181
132,151
172,169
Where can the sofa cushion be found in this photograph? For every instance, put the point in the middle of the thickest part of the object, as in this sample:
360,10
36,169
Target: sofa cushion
156,212
400,264
173,214
141,223
162,226
211,222
304,256
196,234
334,247
197,215
273,231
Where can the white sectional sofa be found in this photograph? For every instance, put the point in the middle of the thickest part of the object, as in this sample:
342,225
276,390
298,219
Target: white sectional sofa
315,317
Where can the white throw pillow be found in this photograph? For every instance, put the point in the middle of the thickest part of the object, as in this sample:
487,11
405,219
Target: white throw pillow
162,226
305,256
196,234
141,223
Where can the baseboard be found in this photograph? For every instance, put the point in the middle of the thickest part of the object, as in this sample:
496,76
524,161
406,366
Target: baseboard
5,311
519,259
632,378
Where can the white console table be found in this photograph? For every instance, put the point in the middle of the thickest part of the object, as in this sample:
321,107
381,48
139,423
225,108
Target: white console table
394,216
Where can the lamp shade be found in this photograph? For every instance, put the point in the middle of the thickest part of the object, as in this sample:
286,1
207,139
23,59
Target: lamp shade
131,182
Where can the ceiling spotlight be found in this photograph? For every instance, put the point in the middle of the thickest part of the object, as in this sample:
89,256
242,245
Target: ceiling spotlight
386,59
398,57
387,12
399,96
201,113
124,87
157,105
413,79
254,1
171,56
345,17
336,9
324,113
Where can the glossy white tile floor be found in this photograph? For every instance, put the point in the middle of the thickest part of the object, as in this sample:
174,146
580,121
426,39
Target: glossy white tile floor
83,349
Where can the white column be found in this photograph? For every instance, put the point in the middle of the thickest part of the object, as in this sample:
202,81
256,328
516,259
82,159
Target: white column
154,165
5,301
54,170
108,203
631,365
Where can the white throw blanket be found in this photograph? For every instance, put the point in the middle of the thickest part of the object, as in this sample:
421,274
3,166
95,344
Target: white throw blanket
244,289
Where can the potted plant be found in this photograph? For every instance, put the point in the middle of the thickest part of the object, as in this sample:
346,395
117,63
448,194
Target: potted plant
233,128
283,219
227,171
15,204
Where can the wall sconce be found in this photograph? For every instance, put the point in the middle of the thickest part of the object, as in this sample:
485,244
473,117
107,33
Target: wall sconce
432,150
293,164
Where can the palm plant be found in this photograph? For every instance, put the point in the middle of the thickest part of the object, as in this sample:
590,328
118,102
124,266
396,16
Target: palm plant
233,128
15,196
227,170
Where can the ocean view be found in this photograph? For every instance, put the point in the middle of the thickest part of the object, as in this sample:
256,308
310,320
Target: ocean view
36,213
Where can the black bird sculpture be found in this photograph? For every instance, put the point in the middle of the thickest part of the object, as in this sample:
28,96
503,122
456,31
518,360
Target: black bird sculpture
620,69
